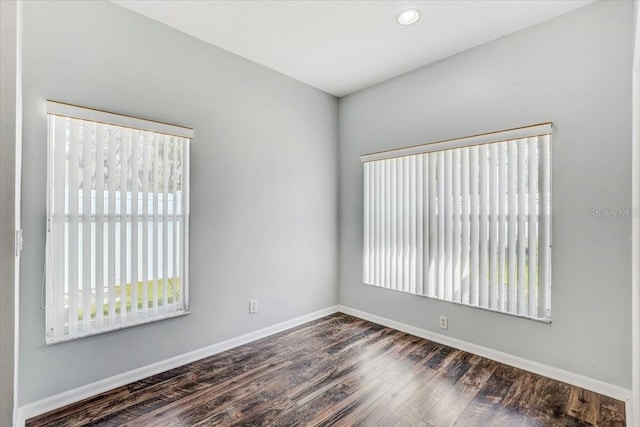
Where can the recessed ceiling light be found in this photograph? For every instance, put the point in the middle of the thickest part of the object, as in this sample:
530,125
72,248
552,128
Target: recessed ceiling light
408,17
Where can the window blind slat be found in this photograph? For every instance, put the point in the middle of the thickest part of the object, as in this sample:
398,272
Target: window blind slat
58,248
88,168
372,242
145,219
99,255
380,224
74,222
384,227
124,170
420,216
433,226
475,226
380,210
412,229
522,210
164,263
393,224
156,223
493,226
135,250
512,153
544,303
484,227
532,237
366,231
466,223
441,201
390,235
457,198
174,223
374,224
400,226
447,204
181,142
502,225
186,153
111,213
406,212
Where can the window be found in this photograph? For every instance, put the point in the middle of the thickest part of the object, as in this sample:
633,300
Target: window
464,220
117,221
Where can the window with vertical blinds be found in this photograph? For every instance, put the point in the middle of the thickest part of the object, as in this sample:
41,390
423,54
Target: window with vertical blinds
465,220
117,221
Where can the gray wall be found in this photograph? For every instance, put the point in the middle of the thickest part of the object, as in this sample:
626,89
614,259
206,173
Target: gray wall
8,57
263,192
575,71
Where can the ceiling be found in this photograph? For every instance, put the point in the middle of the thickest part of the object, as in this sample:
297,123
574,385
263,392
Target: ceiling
342,46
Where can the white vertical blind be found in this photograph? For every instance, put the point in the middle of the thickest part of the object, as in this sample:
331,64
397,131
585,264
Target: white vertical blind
117,214
441,202
406,232
475,228
544,225
483,224
111,211
367,264
493,227
155,224
512,214
174,228
433,226
135,221
89,169
122,210
384,267
522,225
466,213
502,231
393,235
99,225
447,206
467,223
420,224
164,256
72,225
457,218
146,161
412,229
532,222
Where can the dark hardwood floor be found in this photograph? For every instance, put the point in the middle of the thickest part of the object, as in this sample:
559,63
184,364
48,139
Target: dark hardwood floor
341,370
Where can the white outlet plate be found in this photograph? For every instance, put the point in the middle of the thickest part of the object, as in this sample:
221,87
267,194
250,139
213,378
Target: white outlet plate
253,306
444,322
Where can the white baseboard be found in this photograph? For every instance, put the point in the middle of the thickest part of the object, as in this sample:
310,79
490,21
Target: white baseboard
577,380
39,407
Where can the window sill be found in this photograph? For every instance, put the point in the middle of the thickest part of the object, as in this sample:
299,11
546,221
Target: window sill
546,320
66,338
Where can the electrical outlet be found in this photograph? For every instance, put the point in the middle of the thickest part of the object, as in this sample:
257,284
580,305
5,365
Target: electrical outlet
253,306
444,322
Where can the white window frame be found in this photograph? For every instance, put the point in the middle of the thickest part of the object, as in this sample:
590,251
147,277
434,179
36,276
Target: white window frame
451,220
157,224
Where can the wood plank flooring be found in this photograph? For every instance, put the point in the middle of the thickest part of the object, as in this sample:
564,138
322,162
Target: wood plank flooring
341,370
